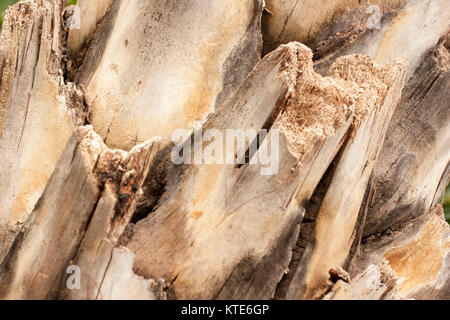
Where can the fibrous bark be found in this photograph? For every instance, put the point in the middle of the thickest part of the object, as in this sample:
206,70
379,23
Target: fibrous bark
172,68
91,13
38,111
323,25
86,205
378,96
336,196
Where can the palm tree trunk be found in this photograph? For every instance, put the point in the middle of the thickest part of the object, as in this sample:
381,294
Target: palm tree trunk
353,98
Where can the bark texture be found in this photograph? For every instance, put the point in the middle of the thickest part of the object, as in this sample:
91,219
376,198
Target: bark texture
173,67
39,111
356,114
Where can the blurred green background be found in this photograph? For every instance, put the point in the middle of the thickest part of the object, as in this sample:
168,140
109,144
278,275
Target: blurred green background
5,3
447,204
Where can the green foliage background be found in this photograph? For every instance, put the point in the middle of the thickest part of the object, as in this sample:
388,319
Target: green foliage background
5,3
447,204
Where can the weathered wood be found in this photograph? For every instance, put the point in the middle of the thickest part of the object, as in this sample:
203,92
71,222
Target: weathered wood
114,210
415,154
38,111
91,13
172,68
338,198
377,94
410,34
120,282
85,192
417,252
413,169
325,26
375,283
215,203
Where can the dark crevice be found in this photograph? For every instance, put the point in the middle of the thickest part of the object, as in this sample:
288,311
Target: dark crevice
243,57
307,226
75,60
86,60
154,185
390,232
259,139
75,96
65,59
442,190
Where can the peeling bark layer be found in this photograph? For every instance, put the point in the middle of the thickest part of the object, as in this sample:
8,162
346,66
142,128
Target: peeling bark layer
90,189
91,13
171,69
38,111
338,197
378,95
418,254
252,268
410,33
416,149
323,25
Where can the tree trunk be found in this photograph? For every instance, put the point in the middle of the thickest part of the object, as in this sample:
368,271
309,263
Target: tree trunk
335,192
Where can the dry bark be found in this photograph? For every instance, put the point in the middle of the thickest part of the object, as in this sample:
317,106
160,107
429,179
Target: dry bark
38,110
323,25
379,94
85,207
174,67
351,211
91,14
